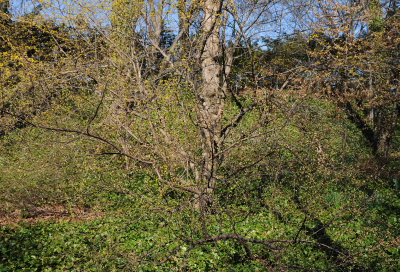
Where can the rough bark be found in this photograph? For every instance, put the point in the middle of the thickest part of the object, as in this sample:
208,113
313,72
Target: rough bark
211,95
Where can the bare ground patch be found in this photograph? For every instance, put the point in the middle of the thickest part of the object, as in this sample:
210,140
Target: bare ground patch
34,214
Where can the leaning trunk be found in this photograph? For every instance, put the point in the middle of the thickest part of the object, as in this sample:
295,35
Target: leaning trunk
384,130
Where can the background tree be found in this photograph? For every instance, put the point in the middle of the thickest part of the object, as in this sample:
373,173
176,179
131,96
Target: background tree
353,62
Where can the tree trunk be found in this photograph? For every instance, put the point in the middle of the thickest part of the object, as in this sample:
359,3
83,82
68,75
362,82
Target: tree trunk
211,95
384,130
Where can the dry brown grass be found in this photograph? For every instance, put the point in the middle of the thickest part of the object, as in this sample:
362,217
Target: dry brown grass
56,213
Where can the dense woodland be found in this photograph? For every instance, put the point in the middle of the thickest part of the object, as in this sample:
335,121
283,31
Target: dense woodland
210,135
